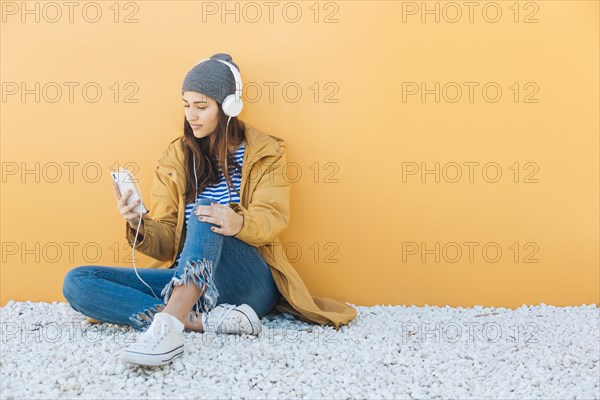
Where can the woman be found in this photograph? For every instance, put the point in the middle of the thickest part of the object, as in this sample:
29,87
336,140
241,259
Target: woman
229,268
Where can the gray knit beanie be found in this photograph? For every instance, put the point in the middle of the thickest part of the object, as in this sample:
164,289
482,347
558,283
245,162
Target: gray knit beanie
212,78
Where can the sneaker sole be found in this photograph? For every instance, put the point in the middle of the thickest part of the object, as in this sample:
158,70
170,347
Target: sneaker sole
151,359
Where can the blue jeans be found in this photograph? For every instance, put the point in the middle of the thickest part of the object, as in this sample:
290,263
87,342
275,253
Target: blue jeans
230,270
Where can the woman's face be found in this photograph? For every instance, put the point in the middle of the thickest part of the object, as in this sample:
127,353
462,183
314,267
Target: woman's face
202,113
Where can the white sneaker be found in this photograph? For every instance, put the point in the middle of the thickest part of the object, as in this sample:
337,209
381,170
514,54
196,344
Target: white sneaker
160,344
228,318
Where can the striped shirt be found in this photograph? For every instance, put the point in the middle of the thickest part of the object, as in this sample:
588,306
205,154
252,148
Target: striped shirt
218,193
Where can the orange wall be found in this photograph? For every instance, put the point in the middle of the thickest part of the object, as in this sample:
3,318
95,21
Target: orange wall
366,215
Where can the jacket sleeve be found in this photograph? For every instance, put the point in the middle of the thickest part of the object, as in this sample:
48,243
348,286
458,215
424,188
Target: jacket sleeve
160,223
268,213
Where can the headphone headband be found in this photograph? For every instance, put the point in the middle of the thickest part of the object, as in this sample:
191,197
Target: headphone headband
236,76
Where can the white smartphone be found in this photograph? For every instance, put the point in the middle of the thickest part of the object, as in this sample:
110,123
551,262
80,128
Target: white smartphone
125,182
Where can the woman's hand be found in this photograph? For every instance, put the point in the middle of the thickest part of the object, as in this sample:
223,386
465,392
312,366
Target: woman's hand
228,221
126,211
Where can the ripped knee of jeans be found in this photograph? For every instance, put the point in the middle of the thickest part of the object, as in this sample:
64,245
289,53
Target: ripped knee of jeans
201,274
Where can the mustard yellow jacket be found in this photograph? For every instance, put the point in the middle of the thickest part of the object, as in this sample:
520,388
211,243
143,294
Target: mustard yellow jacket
264,203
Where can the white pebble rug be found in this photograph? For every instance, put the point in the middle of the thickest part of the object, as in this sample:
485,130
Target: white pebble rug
50,351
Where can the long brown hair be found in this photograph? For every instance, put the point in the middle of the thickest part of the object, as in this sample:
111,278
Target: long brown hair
210,153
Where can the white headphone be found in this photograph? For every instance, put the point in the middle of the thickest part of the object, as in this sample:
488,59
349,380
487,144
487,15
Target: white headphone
232,106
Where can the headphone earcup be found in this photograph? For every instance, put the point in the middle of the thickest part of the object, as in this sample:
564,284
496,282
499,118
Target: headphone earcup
231,108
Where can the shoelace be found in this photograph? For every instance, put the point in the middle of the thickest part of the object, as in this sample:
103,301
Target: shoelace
155,331
227,309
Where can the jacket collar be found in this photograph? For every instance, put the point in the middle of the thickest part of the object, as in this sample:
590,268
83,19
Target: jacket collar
258,145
